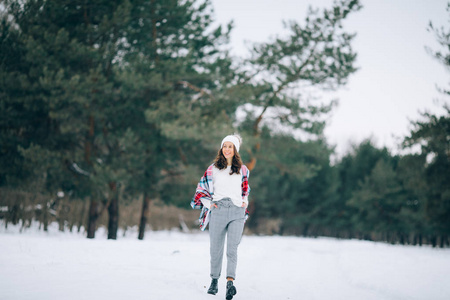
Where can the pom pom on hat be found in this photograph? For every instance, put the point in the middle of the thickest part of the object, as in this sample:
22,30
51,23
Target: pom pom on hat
235,139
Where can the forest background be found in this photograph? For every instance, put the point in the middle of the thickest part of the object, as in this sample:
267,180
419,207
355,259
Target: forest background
112,110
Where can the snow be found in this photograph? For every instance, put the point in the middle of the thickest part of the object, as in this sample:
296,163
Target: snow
172,265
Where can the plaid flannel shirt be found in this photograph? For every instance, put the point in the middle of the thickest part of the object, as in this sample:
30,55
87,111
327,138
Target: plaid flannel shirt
205,190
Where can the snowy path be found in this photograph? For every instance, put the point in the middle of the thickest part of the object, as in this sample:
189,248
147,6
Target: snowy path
172,266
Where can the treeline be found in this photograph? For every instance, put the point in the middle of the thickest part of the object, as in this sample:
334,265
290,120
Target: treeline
369,194
110,101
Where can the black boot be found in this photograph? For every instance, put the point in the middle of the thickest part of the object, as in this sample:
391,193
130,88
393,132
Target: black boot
213,287
231,290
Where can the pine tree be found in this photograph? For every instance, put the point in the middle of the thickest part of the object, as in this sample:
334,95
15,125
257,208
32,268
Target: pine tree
411,173
379,202
352,170
279,75
67,51
432,134
174,66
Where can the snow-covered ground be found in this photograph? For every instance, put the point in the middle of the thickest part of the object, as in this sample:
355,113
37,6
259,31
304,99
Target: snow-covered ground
171,265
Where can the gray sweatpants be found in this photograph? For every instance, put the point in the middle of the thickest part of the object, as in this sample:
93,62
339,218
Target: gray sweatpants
225,220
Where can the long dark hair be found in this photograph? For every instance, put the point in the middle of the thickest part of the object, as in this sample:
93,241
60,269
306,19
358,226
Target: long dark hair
220,162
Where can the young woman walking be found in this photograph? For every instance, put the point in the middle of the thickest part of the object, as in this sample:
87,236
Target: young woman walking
222,194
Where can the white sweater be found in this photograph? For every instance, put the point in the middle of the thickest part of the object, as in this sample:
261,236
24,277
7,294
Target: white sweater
226,186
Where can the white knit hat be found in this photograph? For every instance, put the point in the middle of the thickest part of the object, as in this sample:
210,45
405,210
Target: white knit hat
235,139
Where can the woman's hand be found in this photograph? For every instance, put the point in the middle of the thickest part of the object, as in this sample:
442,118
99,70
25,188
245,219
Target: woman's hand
244,205
214,205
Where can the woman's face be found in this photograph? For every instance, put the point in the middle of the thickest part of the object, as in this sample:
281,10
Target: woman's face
228,150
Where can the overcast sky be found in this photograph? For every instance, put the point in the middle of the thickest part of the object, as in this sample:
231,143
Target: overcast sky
397,78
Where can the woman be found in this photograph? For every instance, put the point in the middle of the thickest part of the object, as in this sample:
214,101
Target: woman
222,193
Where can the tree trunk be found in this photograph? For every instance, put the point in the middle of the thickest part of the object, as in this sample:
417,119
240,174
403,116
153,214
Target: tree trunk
14,214
305,230
113,210
45,217
144,216
433,241
92,221
81,218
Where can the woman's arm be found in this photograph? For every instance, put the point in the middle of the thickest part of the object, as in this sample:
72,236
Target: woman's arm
245,186
204,191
